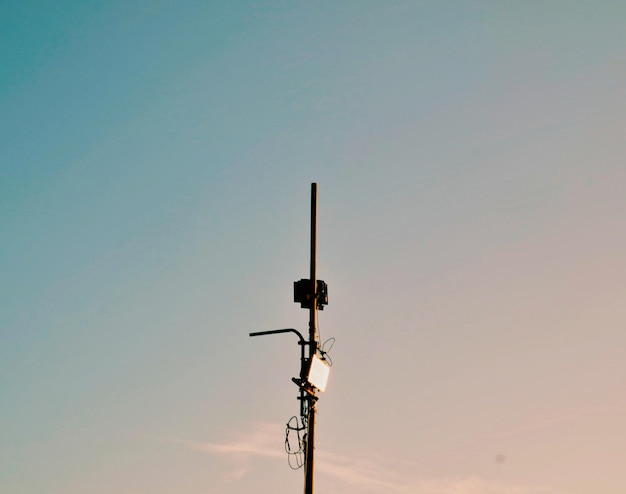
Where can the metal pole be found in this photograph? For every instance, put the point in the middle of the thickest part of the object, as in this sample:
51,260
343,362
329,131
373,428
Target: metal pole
313,309
310,437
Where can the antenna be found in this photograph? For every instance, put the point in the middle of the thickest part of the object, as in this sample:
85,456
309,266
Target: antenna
311,294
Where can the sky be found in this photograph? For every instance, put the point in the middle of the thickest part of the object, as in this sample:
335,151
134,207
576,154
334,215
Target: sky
156,160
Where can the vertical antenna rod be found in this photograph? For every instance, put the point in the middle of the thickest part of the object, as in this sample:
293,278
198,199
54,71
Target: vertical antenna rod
310,438
313,309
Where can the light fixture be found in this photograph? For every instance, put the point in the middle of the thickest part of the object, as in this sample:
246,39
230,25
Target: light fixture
318,373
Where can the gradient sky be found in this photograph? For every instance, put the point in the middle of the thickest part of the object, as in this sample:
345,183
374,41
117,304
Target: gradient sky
156,161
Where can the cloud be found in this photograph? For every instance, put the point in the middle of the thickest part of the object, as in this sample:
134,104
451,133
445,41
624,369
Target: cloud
359,473
237,473
378,474
260,442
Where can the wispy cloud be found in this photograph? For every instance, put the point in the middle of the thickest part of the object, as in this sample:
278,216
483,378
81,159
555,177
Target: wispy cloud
260,442
370,473
384,475
359,471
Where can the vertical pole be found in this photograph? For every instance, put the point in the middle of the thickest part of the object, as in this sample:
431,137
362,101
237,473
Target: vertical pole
310,437
313,275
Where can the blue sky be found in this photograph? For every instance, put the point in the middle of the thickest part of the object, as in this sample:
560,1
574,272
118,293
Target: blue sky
156,164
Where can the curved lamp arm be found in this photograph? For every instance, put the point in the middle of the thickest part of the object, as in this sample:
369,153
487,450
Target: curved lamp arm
276,331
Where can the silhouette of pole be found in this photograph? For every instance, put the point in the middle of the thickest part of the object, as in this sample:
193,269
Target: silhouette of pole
312,297
310,437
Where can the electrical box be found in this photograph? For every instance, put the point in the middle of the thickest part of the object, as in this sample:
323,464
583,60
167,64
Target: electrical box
302,293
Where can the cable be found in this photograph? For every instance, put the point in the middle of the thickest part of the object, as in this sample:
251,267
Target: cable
318,330
295,458
325,349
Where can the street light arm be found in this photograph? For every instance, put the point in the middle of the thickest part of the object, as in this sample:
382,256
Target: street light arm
277,331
